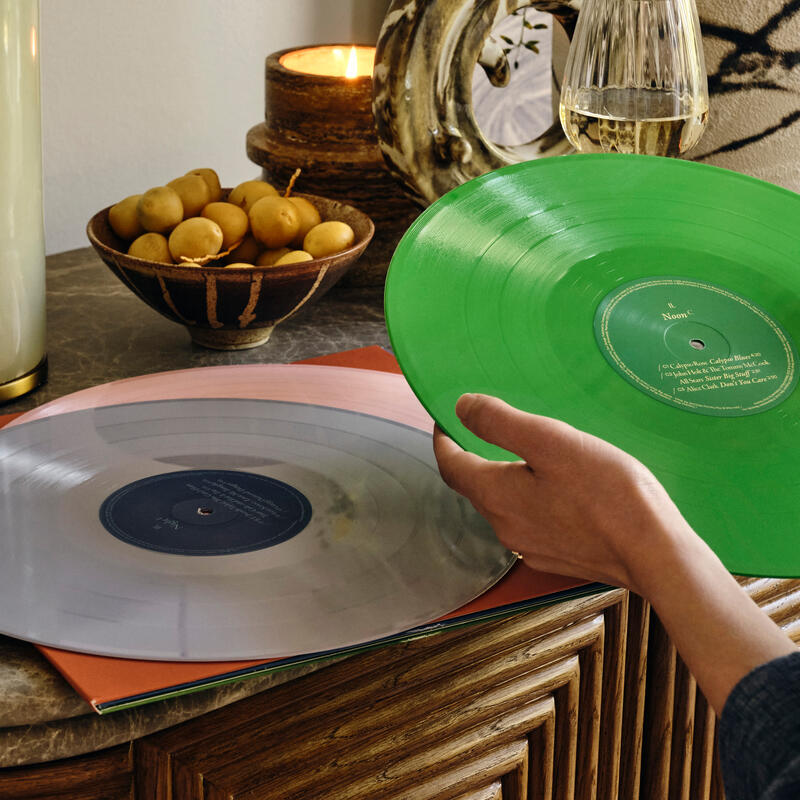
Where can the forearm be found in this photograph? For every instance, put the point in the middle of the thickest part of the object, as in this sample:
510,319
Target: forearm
718,630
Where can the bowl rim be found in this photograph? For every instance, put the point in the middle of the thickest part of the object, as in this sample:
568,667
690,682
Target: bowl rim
279,271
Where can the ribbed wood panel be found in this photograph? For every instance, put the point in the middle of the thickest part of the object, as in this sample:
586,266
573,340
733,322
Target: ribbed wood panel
680,760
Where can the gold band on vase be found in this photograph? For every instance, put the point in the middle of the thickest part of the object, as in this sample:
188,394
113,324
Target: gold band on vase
25,383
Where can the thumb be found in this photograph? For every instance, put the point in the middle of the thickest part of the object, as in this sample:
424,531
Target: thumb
532,437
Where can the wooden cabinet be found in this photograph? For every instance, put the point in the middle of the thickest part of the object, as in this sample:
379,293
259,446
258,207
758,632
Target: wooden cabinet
583,699
107,775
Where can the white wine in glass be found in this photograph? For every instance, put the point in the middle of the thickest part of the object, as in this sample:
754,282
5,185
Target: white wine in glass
635,80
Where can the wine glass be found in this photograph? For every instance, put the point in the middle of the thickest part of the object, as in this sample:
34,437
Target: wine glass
635,79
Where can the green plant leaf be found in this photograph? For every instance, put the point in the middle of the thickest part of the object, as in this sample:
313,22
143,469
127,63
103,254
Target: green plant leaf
507,40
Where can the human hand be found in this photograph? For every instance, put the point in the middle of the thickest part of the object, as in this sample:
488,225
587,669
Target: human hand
575,505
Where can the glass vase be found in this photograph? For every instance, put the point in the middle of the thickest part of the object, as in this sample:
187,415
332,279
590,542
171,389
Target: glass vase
635,79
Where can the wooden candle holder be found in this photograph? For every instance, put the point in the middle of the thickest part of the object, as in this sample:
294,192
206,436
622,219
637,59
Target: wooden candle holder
324,125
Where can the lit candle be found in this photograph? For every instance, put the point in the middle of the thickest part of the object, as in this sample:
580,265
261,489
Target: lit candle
333,60
319,118
22,278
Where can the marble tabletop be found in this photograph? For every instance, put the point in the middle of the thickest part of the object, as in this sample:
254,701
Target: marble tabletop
98,331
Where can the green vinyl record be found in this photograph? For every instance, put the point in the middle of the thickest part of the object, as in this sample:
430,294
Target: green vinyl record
652,302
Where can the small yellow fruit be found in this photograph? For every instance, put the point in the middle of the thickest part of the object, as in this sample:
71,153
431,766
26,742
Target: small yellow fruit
239,264
309,217
294,257
123,219
248,193
212,180
274,221
159,209
269,257
247,252
194,194
328,238
231,219
151,247
195,238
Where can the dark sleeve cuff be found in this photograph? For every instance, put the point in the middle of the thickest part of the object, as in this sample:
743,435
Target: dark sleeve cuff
759,731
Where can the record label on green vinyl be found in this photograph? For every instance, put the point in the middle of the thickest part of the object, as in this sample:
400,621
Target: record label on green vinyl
696,346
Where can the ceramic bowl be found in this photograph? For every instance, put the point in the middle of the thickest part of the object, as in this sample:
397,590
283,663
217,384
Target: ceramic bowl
232,308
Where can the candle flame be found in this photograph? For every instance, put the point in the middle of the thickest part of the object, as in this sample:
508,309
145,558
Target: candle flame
352,64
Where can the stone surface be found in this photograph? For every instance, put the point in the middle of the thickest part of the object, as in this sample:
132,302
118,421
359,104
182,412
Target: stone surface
98,331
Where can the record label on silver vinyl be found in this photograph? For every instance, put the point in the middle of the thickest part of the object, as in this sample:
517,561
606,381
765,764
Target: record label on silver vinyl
206,512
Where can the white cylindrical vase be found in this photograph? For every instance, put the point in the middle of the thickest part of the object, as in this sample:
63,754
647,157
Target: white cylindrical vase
23,362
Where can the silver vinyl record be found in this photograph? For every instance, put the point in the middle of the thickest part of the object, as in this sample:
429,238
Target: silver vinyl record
205,530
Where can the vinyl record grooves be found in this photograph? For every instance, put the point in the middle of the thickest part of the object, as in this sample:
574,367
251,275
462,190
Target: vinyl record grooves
207,529
652,302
